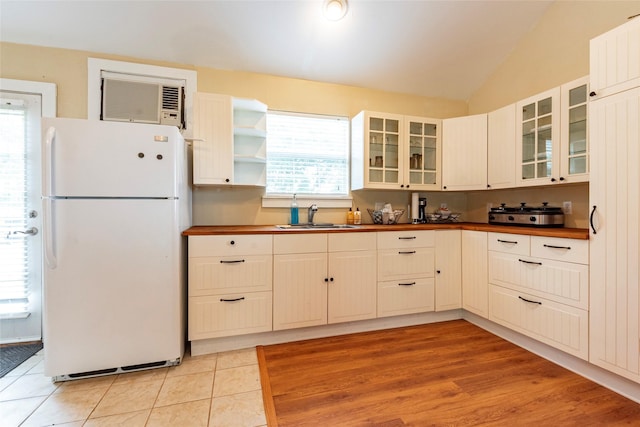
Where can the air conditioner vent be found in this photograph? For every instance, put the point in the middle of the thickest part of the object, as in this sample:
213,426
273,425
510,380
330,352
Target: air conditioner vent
170,98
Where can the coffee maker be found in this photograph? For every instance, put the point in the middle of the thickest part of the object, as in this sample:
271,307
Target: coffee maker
422,210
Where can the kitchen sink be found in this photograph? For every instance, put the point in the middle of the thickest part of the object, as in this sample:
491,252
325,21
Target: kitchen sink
315,226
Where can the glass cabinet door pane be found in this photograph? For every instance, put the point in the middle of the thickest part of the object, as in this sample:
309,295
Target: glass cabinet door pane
376,123
544,169
544,107
578,95
430,129
528,141
415,128
528,112
578,165
391,125
528,171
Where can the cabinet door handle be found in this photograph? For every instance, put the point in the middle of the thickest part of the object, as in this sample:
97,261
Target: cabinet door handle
235,261
407,284
507,241
593,211
556,247
529,262
528,300
407,238
406,252
592,93
231,300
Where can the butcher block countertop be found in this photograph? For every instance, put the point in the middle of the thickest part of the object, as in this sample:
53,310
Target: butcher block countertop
570,233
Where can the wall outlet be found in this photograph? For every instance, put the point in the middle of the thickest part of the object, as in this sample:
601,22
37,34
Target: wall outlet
567,208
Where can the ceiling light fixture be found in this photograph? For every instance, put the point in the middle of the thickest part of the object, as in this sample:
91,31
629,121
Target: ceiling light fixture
335,10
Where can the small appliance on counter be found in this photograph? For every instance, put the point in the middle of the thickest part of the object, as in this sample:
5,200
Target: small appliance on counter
527,216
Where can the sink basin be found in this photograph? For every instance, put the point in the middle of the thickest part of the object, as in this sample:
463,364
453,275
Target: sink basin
314,226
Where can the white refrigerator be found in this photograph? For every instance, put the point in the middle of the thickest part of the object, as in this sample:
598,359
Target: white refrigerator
116,198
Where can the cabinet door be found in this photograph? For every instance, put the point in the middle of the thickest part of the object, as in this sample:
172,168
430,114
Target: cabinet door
464,153
352,286
501,148
383,150
538,133
423,155
614,60
574,140
475,296
213,145
448,270
614,195
299,290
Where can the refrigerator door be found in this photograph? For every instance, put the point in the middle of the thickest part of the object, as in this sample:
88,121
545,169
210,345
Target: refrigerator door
113,296
93,158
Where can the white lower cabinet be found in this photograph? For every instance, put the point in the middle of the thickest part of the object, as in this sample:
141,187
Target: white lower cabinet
406,282
475,294
448,268
539,286
230,279
323,278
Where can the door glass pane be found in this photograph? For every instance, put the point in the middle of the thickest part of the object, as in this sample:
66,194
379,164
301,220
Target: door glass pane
528,171
391,155
578,165
391,125
429,177
415,128
528,141
528,112
544,169
578,95
544,138
375,175
376,124
429,129
391,176
544,107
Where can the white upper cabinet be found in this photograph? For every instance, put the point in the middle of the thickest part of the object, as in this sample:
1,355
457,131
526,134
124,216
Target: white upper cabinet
538,133
615,60
391,151
501,148
574,138
229,141
464,153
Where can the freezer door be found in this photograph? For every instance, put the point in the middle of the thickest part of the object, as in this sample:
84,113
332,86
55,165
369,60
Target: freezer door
113,296
93,158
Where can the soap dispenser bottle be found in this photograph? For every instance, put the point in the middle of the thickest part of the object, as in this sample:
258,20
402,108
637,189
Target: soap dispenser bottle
350,216
357,217
294,211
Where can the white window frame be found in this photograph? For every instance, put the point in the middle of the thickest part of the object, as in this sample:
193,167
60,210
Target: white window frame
322,201
96,66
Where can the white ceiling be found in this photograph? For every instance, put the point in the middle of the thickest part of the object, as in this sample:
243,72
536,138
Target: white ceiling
431,48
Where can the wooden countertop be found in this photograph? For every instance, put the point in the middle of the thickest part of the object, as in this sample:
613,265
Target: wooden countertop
569,233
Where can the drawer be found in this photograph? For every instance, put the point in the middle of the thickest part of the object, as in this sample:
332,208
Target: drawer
299,243
231,314
406,297
509,243
347,242
563,282
405,263
406,239
569,250
222,245
221,275
555,324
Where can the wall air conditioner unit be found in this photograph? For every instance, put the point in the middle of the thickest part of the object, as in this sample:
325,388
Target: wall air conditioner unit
142,102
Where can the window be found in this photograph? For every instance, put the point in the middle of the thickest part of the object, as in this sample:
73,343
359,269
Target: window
307,155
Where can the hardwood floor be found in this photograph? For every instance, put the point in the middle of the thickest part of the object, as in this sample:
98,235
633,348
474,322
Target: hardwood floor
449,373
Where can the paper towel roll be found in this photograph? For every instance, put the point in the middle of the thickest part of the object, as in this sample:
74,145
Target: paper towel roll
415,205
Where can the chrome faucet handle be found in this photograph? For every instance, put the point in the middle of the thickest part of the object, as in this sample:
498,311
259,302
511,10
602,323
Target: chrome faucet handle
312,210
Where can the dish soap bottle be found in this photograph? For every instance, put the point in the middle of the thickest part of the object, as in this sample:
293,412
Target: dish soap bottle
294,211
350,216
357,217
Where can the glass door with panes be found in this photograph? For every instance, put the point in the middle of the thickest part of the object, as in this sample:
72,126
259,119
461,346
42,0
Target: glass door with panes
423,156
538,133
575,144
384,151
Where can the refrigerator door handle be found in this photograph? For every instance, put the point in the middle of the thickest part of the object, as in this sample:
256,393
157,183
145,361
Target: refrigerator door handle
47,176
49,251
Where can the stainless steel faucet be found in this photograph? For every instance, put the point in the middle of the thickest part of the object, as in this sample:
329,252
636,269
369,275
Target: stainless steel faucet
312,211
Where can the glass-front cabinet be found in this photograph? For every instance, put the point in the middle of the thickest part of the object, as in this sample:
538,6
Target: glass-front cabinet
574,165
538,133
391,151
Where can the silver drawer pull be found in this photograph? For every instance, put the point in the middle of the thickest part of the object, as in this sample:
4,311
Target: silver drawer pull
529,262
557,247
407,238
530,301
406,252
236,261
507,241
231,300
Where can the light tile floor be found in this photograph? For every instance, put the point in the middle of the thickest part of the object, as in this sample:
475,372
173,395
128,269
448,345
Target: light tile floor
212,390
